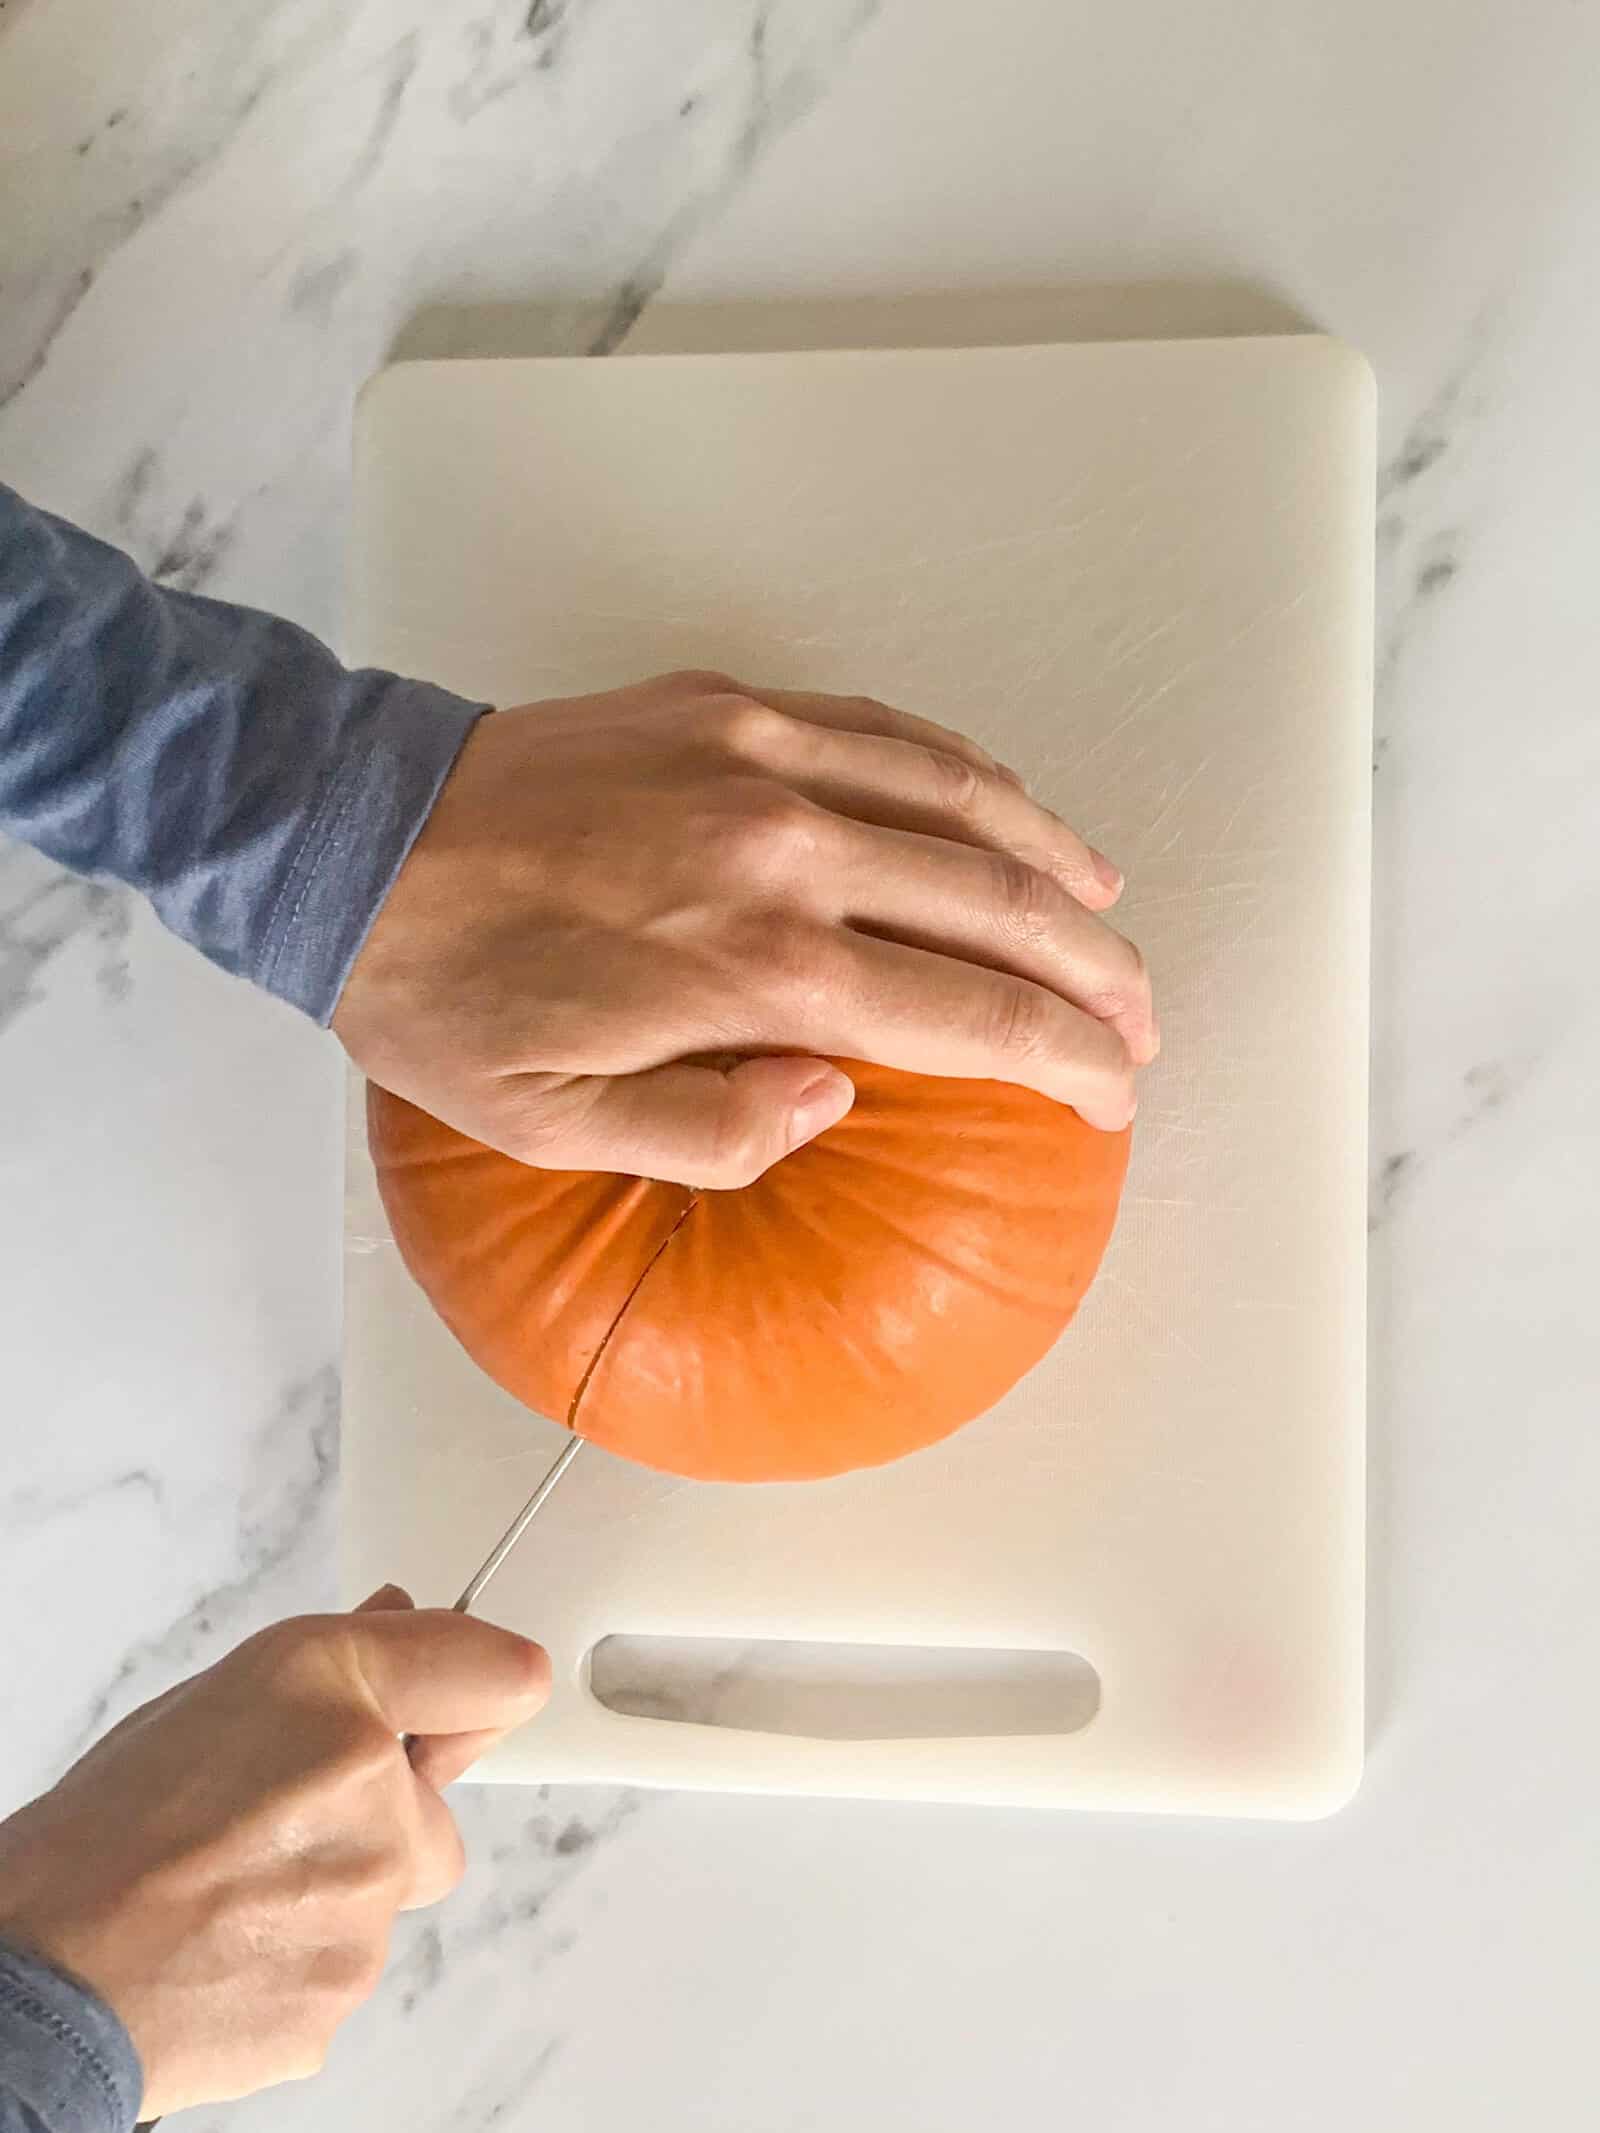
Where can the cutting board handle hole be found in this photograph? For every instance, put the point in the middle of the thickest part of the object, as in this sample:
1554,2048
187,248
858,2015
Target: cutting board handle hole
844,1691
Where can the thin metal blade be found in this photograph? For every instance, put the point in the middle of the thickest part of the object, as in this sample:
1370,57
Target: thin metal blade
514,1532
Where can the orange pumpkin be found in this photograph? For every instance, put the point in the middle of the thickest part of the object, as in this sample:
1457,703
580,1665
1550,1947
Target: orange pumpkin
870,1294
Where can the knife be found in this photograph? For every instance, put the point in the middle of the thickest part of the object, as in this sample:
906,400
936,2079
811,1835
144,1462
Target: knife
514,1532
463,1603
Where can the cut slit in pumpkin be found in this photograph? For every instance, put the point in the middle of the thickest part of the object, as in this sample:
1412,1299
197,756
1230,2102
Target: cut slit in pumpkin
871,1293
575,1405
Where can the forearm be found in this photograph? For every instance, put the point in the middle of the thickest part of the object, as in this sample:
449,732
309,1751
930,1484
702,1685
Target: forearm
66,2063
218,760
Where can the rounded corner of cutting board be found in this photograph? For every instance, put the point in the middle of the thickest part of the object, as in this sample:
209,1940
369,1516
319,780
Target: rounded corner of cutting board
1331,1791
1345,364
372,401
390,395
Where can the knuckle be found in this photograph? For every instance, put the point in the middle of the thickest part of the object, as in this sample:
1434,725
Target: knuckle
1021,895
873,713
961,785
1020,1023
743,728
539,1125
283,1649
395,1880
345,1979
432,1870
1127,989
535,1136
356,1974
743,1151
1103,1061
773,833
453,1868
698,681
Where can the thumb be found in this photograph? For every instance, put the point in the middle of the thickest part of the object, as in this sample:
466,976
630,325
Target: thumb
434,1671
437,1758
700,1125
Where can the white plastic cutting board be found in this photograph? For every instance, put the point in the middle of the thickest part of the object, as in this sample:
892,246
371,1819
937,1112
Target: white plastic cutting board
1143,574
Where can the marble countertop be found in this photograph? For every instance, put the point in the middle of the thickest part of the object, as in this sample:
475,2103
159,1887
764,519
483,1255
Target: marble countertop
216,218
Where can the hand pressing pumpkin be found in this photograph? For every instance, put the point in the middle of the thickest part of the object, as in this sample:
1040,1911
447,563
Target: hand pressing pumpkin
612,887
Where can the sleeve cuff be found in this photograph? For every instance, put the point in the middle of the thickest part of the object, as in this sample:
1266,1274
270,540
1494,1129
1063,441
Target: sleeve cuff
359,838
63,2053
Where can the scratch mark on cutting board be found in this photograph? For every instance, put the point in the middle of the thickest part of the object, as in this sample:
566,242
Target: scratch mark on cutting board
1166,1335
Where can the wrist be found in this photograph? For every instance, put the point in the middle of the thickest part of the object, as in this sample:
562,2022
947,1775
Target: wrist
66,2054
43,1926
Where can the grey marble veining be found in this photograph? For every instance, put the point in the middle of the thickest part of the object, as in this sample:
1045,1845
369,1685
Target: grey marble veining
322,266
41,909
283,1516
1421,551
215,220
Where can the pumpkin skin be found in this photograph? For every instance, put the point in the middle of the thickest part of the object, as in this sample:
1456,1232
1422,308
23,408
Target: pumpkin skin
873,1292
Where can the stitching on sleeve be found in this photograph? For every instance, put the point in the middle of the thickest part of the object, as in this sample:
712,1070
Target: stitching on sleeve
346,780
34,2010
312,871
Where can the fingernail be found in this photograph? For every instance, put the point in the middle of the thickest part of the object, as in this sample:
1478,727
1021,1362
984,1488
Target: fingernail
821,1103
1110,875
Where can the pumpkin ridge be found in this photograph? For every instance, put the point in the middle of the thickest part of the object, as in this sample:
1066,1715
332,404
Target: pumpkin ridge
980,1278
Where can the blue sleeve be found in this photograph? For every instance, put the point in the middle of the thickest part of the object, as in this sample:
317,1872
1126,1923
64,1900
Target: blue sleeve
218,760
67,2064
